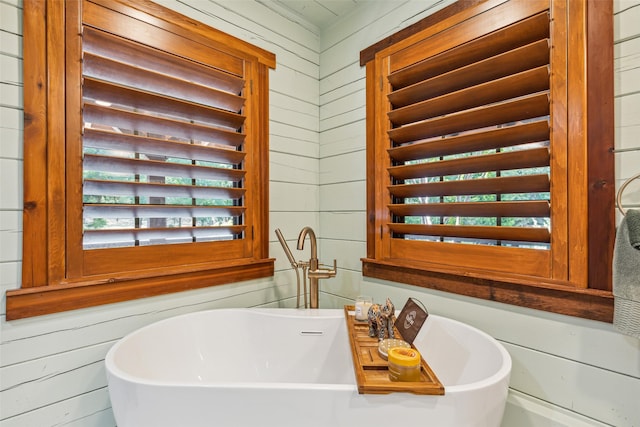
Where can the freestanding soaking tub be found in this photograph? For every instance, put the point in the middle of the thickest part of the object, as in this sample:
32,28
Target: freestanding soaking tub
291,367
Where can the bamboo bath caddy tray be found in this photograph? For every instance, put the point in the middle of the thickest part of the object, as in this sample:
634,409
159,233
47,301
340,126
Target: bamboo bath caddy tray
372,372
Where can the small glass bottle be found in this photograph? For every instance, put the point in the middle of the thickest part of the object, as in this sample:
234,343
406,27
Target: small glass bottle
404,364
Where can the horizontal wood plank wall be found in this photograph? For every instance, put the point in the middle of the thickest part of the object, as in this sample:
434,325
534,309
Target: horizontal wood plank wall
45,362
627,102
52,367
566,371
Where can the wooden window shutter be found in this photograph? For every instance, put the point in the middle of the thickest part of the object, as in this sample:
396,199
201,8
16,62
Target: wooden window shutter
165,149
486,159
463,118
469,143
145,166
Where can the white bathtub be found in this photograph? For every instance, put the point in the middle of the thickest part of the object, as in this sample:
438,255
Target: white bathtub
290,367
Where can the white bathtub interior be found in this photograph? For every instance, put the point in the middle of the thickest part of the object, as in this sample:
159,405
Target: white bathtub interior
243,349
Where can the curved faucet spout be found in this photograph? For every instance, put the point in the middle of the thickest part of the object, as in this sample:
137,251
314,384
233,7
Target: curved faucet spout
312,237
313,263
315,273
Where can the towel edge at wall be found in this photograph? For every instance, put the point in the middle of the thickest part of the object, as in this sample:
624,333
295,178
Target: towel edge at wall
626,277
632,218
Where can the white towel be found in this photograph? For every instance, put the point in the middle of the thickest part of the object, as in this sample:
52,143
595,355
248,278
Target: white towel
626,283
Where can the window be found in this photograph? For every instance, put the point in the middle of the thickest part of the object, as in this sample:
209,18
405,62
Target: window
489,154
146,173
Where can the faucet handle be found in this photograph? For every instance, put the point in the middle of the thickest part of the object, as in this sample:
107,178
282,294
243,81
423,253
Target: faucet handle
324,273
335,267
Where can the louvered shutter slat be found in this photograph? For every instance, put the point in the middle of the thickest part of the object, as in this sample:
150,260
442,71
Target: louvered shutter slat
158,211
99,67
145,189
496,114
476,141
513,234
527,208
179,235
159,104
109,140
518,60
501,161
159,168
513,86
500,185
144,123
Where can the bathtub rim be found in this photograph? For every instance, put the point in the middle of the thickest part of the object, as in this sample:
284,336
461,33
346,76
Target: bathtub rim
112,370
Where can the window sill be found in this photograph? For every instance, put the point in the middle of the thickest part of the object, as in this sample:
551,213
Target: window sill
40,300
522,291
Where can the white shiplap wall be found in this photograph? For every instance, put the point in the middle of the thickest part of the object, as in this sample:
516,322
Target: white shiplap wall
566,371
51,367
627,102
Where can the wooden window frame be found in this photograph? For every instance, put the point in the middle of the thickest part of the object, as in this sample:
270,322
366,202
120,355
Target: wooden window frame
46,285
584,287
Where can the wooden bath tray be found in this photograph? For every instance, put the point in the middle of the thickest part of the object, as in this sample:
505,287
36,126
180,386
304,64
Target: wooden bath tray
372,372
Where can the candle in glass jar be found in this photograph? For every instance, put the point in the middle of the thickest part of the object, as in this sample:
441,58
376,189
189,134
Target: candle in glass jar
362,307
